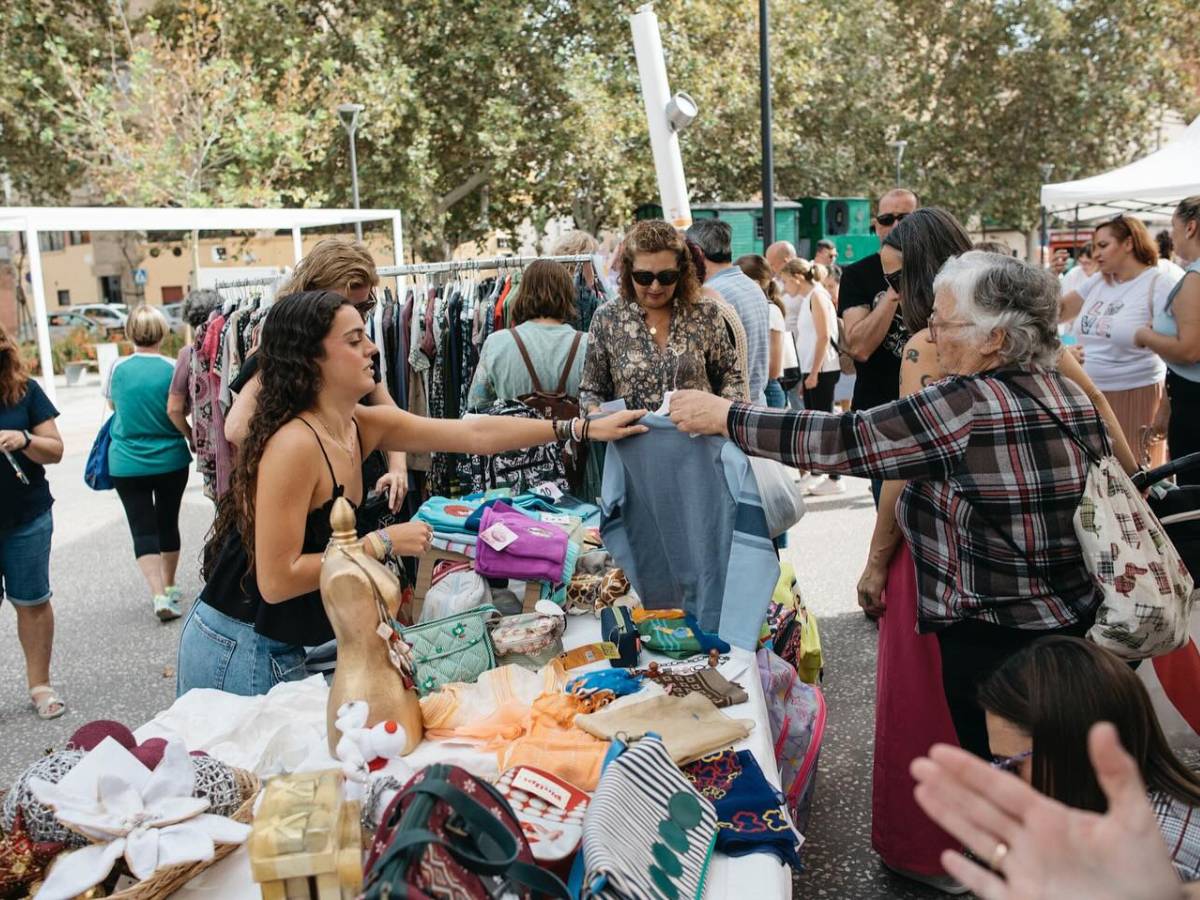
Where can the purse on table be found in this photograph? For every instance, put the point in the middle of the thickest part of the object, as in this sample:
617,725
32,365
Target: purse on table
450,834
618,628
530,639
455,648
550,811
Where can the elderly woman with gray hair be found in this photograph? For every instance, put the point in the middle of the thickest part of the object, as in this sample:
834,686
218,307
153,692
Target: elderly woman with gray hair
993,479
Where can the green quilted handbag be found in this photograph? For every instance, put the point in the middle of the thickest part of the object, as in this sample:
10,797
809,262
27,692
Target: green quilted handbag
456,648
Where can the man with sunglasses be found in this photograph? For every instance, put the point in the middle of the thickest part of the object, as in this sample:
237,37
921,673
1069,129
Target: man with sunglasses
871,313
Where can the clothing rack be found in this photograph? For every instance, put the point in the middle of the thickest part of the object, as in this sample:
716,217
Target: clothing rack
495,262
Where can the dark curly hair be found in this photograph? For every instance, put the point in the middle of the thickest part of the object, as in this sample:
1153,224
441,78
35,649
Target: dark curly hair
654,236
287,366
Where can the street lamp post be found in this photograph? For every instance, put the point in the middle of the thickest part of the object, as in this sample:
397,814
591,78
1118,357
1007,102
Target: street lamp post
348,113
768,153
898,146
1045,169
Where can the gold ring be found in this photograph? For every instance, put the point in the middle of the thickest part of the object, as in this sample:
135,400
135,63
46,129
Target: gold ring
998,856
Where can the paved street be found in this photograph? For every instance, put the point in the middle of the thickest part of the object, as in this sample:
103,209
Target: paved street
114,660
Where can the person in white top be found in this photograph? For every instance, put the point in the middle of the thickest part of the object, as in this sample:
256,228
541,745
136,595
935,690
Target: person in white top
1111,306
816,332
1084,268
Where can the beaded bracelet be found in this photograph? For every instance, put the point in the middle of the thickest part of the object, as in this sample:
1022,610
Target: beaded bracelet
386,540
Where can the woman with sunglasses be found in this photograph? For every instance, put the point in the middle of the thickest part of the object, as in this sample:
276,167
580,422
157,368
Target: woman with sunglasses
347,267
1042,703
661,334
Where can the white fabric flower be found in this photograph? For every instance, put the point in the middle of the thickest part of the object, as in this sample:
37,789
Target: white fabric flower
154,825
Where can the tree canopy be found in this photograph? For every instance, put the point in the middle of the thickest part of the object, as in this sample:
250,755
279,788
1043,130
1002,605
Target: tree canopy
481,113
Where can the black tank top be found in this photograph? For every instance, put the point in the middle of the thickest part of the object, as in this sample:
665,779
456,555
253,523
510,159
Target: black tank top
234,591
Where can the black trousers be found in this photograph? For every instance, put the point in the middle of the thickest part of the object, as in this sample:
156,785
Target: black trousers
971,651
152,507
1183,430
820,398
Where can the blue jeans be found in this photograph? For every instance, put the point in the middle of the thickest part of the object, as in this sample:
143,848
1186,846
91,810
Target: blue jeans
776,399
25,561
217,651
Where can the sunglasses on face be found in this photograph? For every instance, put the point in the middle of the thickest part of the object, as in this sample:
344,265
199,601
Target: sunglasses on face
1010,763
889,219
893,279
666,277
367,306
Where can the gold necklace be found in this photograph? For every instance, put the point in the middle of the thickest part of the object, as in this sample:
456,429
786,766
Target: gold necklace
348,450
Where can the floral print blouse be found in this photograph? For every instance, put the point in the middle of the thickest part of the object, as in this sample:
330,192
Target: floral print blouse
623,361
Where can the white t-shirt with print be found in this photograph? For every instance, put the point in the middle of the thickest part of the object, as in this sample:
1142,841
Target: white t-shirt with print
1110,315
775,323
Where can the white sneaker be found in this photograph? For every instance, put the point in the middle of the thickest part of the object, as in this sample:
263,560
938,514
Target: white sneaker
827,488
808,480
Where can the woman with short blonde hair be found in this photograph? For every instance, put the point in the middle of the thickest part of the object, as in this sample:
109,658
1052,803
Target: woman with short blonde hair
148,457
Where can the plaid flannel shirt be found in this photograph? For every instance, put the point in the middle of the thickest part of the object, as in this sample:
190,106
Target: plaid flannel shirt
973,451
1180,827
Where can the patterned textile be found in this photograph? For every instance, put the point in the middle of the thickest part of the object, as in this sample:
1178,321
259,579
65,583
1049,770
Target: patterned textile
624,362
972,438
709,682
1180,827
750,814
648,832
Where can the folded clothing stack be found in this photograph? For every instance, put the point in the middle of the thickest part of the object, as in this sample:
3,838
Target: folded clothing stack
535,551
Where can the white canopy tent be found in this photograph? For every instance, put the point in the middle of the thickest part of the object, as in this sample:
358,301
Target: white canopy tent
1150,186
34,219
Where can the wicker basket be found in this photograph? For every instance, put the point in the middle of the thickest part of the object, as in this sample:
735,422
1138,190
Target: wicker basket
166,881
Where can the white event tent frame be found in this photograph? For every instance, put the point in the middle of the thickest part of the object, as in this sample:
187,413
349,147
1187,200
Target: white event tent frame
31,220
1150,186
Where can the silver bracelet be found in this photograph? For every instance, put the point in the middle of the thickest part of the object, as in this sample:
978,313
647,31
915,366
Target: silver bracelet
577,438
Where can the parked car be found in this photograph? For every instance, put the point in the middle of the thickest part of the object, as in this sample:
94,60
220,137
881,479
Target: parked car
108,315
62,324
174,314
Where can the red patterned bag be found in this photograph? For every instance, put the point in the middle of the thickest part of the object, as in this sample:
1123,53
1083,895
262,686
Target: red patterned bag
450,836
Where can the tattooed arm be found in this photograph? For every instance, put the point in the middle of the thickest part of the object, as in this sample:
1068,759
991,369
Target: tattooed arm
918,369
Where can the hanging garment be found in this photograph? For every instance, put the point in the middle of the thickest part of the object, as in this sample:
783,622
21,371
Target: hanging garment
683,519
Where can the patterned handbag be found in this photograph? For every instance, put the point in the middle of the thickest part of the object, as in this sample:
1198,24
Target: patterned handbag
1146,590
448,834
456,648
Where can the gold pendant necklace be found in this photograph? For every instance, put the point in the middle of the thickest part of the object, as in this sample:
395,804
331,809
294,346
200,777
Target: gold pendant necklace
348,450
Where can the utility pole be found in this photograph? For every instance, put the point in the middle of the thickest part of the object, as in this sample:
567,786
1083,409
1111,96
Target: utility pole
764,91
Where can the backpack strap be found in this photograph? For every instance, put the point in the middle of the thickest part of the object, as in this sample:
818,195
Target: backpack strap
537,385
1088,452
566,372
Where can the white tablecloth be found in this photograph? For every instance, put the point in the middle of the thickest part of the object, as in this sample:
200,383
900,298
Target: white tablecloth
284,731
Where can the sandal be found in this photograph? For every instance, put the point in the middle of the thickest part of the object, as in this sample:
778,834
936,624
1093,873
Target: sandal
46,701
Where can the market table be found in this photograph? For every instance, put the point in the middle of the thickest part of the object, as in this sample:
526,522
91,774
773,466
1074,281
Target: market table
284,731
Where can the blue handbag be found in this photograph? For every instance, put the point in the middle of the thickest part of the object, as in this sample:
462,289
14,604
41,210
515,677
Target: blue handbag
95,473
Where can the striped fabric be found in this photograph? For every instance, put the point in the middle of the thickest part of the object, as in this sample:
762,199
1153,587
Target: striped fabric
647,833
968,438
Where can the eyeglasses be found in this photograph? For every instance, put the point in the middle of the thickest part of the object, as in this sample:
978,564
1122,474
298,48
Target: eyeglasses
666,277
889,219
1010,763
367,306
893,279
935,326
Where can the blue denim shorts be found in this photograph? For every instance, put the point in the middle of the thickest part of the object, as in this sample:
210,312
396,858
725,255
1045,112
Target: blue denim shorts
219,652
25,561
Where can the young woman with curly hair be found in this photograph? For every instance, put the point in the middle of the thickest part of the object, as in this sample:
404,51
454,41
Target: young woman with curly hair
261,605
661,334
30,441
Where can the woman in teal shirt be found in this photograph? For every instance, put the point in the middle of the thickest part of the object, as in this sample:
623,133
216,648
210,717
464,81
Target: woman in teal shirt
148,458
542,313
1176,338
